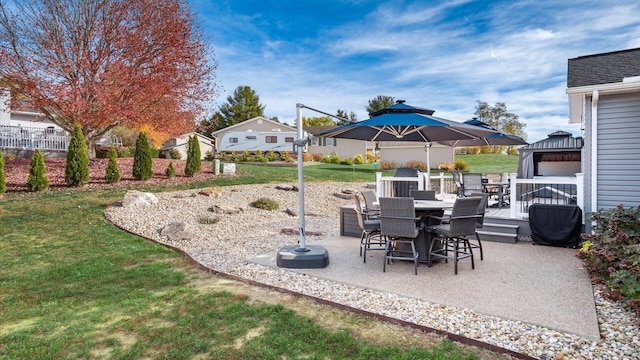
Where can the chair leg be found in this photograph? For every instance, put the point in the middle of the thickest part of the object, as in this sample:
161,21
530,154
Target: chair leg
387,249
415,258
455,257
480,246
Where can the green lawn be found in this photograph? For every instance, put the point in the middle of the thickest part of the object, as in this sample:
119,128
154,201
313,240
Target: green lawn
74,286
490,163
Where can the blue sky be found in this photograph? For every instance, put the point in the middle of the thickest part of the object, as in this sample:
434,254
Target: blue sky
441,55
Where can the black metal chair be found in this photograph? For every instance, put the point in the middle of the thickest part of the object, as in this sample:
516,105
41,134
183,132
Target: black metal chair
399,225
461,224
370,230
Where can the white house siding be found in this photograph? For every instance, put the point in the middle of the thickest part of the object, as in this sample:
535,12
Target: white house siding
402,153
618,159
345,148
180,143
256,124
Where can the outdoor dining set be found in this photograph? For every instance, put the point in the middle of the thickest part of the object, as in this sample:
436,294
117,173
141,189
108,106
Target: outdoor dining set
420,228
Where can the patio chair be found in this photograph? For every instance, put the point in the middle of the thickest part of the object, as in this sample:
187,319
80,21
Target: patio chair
398,224
461,224
370,230
482,208
471,183
370,203
422,194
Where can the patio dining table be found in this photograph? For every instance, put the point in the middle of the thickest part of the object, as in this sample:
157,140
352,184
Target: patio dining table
499,189
424,208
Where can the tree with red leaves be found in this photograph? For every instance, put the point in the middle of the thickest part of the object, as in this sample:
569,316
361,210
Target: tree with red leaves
104,63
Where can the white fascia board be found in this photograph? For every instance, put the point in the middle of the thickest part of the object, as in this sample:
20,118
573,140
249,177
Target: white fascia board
605,88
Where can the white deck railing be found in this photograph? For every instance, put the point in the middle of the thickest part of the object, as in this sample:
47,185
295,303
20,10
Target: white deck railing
522,193
386,186
560,190
22,137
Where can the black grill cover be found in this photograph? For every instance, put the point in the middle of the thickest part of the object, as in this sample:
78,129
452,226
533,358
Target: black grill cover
555,225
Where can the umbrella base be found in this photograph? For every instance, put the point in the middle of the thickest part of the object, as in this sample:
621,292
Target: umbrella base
312,257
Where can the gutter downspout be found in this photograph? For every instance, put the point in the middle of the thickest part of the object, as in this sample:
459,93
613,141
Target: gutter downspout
594,150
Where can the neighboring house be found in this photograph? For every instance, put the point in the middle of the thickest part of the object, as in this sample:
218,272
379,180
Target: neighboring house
604,96
21,113
180,143
399,152
257,124
344,148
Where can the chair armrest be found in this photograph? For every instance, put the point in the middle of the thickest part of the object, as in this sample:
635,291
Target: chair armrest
399,217
476,216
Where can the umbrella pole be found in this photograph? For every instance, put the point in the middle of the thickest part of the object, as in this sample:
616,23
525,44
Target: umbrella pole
301,256
428,147
303,238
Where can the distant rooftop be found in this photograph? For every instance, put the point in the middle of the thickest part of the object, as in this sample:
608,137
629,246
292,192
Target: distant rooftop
559,140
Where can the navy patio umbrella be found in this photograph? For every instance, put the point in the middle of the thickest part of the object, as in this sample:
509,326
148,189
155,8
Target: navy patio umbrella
401,122
499,138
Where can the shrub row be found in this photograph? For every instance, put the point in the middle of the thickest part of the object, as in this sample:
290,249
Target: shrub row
612,253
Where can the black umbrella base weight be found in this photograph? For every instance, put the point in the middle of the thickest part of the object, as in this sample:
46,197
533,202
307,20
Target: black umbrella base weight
311,257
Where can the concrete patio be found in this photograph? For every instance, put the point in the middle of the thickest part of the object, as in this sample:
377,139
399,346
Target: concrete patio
538,285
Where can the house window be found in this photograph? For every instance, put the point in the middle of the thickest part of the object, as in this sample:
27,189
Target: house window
314,141
288,139
233,140
271,139
329,142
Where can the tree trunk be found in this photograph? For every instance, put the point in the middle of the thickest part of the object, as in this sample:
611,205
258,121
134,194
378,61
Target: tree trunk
91,148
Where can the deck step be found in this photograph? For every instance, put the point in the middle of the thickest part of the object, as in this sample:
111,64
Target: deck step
501,228
497,236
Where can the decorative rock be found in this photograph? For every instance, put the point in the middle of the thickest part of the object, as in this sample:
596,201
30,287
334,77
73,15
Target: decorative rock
287,187
342,196
291,212
292,231
349,191
180,236
226,209
370,186
138,198
215,191
172,228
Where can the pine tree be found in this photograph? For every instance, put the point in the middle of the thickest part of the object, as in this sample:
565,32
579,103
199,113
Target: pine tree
112,174
194,163
37,180
77,169
3,182
142,163
170,172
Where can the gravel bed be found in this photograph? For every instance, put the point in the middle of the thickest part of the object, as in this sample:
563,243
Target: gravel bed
225,242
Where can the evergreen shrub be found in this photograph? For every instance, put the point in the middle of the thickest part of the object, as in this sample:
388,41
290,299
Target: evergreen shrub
142,163
170,171
37,180
194,163
112,174
77,168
